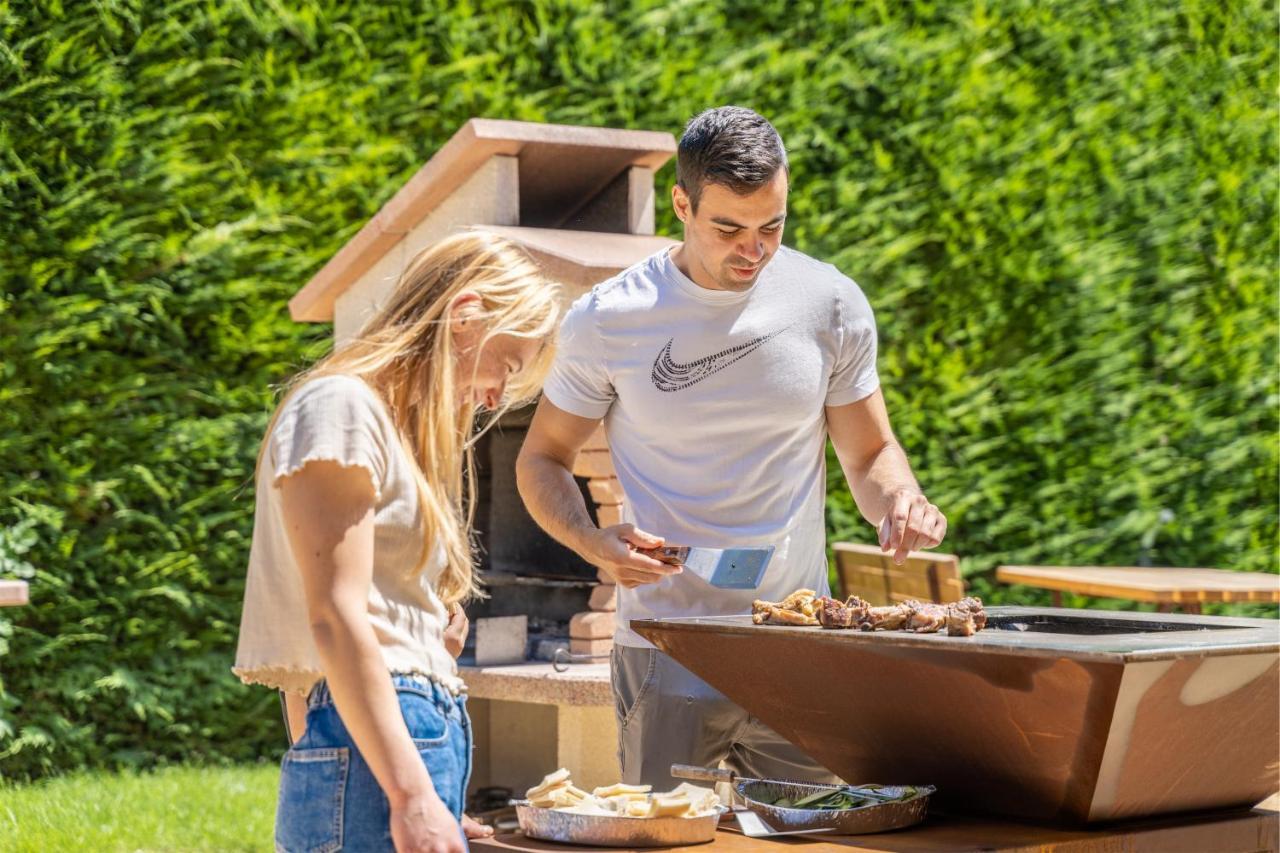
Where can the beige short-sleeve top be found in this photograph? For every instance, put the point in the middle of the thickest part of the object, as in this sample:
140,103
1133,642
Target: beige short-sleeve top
340,419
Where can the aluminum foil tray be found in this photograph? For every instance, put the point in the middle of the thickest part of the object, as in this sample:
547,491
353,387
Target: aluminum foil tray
607,831
873,817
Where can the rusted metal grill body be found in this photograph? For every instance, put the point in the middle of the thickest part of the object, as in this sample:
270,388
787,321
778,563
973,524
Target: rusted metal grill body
1056,715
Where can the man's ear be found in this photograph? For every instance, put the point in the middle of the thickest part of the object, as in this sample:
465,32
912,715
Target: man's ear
680,203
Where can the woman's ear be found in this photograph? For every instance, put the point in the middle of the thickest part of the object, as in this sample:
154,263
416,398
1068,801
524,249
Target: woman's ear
464,317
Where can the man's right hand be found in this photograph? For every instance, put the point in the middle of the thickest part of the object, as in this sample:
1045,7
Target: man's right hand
616,551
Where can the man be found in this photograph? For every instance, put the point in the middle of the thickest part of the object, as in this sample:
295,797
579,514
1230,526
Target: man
719,367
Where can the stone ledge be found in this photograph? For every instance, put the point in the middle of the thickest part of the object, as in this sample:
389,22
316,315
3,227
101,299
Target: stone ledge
539,683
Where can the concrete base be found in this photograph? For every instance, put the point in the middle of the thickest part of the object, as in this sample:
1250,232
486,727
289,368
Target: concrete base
530,720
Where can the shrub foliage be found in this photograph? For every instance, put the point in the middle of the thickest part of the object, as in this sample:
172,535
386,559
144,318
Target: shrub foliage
1064,214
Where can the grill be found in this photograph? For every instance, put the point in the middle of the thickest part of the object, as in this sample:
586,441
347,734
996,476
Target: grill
1065,716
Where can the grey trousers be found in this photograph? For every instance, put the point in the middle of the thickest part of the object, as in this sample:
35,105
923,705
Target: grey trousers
667,715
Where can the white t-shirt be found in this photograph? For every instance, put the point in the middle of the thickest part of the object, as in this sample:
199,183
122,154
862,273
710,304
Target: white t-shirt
340,419
713,404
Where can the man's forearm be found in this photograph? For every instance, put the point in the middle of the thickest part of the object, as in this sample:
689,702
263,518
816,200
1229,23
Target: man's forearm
880,478
874,486
553,499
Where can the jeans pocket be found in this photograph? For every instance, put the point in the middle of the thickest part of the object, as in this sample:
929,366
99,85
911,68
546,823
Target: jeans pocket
313,786
427,723
444,762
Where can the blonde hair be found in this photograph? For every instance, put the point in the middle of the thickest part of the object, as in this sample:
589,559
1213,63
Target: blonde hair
405,354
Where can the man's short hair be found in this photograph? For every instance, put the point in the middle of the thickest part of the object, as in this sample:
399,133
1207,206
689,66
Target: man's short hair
731,146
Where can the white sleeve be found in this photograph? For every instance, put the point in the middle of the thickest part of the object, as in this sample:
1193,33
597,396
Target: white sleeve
854,375
333,418
579,381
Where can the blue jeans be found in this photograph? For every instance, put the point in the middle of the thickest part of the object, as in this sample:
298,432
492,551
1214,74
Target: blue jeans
329,798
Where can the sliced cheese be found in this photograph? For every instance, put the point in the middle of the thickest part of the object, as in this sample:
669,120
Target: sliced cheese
620,788
549,782
702,800
666,805
639,808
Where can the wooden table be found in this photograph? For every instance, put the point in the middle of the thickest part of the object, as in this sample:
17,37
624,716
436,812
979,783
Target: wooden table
1233,832
13,593
1185,588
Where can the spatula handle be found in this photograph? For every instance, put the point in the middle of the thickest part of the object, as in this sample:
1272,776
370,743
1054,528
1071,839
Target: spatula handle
673,555
701,774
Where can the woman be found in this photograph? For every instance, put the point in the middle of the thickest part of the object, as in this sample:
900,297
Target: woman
361,549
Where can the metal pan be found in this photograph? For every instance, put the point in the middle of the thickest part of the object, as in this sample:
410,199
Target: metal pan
873,817
608,831
895,812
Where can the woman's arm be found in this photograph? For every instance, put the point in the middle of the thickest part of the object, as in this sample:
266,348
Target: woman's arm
328,515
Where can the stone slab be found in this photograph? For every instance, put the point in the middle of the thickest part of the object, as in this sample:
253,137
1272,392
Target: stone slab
539,683
501,639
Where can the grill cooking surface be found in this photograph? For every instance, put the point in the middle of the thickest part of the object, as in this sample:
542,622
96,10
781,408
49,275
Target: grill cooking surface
1039,632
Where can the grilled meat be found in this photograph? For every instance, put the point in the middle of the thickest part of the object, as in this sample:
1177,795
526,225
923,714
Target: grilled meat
798,608
773,613
959,619
835,614
965,617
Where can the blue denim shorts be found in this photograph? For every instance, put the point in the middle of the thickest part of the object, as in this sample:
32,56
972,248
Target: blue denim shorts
329,798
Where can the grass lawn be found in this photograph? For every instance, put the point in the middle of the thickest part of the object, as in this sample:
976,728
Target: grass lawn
175,809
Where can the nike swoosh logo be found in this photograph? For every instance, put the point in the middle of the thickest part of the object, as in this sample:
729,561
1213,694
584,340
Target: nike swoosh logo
670,375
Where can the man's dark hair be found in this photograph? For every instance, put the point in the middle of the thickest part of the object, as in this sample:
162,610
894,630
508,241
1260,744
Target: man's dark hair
731,146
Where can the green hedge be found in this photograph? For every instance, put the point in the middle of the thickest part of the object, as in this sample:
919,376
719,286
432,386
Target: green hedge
1063,212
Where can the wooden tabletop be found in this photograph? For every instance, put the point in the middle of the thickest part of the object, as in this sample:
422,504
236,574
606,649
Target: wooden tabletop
1169,586
13,593
1254,830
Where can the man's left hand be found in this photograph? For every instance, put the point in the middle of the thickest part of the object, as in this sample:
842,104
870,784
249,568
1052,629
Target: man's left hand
911,525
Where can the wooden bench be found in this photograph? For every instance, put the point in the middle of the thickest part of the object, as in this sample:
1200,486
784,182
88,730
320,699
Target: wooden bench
870,574
1165,587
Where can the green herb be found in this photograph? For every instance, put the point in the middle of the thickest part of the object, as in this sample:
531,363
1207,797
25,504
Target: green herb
837,799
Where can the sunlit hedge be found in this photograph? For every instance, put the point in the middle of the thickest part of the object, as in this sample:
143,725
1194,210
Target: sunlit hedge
1064,214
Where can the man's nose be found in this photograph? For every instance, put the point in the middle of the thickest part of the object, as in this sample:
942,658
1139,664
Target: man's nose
752,251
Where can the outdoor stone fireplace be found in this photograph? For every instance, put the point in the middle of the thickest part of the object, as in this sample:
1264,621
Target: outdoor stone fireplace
580,201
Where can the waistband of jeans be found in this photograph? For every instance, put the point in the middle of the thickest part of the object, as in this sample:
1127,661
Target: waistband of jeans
320,694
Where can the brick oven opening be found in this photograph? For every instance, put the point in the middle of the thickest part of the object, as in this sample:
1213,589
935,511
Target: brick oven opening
524,571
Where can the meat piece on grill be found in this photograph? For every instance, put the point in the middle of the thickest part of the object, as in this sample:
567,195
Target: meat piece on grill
959,619
773,613
798,608
834,614
925,618
891,618
965,617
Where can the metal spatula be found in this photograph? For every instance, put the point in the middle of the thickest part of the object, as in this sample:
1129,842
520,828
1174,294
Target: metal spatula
725,568
719,774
